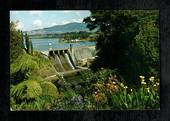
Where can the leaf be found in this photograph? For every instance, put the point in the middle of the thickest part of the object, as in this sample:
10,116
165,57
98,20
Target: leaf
24,63
49,89
27,89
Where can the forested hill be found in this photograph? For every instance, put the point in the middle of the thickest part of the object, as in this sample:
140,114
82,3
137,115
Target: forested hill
70,27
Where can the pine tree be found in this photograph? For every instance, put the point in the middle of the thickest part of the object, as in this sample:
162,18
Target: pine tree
22,40
31,47
27,43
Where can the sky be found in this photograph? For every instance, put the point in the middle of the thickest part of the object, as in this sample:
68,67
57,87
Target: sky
31,20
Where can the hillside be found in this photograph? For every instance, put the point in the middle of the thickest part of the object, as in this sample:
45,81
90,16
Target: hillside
70,27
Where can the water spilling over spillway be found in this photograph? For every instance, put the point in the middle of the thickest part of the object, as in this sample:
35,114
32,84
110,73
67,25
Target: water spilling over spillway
71,60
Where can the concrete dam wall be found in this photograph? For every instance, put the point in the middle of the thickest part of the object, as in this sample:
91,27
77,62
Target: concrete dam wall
71,60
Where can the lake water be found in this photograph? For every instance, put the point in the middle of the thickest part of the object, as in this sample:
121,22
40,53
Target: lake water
43,44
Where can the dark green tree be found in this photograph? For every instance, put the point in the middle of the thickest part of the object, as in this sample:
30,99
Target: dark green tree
15,42
22,40
27,43
31,47
128,40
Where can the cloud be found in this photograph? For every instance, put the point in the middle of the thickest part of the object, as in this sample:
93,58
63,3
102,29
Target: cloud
73,20
37,24
65,22
14,12
36,13
66,11
53,24
19,25
78,13
77,20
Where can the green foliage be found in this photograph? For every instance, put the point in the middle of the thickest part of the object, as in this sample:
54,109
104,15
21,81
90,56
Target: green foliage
82,35
146,97
26,66
22,40
23,63
31,48
49,89
99,76
28,89
23,67
16,42
27,43
128,40
33,95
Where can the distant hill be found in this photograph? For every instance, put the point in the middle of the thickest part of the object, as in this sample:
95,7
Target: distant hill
70,27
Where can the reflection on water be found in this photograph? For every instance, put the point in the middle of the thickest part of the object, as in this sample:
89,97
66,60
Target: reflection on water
43,44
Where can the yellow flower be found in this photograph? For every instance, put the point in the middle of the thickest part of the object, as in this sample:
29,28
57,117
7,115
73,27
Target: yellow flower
131,90
152,78
122,85
142,77
148,90
125,87
143,82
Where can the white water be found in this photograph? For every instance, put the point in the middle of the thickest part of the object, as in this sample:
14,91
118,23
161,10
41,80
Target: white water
58,62
68,59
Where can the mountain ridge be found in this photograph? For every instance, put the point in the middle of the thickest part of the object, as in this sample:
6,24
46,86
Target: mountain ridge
69,27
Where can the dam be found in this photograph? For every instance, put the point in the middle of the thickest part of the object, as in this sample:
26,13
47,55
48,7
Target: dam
70,61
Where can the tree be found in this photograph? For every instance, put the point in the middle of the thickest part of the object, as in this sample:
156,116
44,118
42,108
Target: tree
31,47
22,40
15,42
128,41
27,42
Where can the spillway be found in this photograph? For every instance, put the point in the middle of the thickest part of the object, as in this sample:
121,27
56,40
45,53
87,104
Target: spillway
58,63
68,62
65,61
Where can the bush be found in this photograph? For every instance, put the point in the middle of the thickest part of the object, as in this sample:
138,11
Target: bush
32,95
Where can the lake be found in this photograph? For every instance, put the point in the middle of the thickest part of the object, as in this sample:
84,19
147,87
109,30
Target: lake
43,44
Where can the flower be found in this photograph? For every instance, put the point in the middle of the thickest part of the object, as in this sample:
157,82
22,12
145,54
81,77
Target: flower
125,87
131,90
148,90
152,78
121,84
100,97
114,82
142,77
143,82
